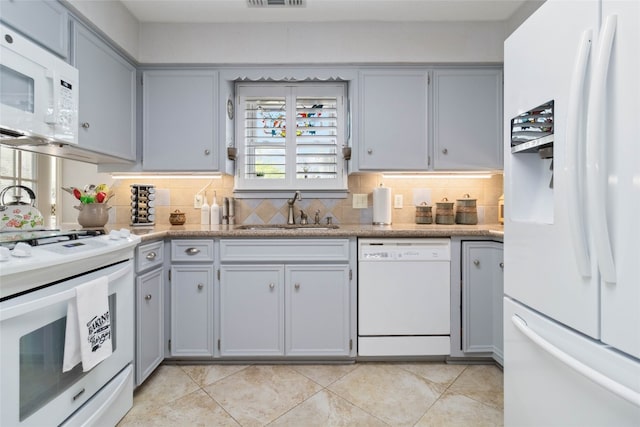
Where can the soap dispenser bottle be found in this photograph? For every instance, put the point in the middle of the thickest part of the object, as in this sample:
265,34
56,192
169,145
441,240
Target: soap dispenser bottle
204,211
215,210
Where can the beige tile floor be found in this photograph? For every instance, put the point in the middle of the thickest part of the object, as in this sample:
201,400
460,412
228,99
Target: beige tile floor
362,394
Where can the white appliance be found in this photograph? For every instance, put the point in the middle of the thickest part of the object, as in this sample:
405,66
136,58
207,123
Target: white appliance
38,94
38,277
404,297
572,269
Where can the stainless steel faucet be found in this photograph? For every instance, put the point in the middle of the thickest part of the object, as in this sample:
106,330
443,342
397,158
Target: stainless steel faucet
291,219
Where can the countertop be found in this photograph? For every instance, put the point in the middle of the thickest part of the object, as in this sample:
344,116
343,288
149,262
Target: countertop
492,231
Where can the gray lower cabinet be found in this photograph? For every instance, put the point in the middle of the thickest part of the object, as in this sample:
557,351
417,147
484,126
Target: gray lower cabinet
107,104
317,310
482,293
298,304
149,309
192,298
252,310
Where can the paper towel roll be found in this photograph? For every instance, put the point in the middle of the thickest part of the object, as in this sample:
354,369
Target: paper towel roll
382,205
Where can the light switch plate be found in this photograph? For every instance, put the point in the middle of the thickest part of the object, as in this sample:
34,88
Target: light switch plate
398,201
359,201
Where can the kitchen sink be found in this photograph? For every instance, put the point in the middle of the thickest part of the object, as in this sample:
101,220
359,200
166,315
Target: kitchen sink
279,227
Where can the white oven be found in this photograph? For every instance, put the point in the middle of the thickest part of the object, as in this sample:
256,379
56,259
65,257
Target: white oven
34,391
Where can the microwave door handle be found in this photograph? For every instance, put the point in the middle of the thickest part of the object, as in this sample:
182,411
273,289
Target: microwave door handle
573,167
51,116
597,179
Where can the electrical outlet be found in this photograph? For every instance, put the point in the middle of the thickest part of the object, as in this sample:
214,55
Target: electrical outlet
360,201
197,201
397,202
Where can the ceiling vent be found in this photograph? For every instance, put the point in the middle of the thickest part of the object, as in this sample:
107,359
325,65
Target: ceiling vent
276,3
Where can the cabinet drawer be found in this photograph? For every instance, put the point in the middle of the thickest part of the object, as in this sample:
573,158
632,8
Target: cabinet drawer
291,250
192,250
149,255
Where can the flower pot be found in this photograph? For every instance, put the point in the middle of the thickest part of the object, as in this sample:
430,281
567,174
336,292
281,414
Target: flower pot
93,215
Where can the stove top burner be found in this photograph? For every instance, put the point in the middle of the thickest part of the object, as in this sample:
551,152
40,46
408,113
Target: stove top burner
42,237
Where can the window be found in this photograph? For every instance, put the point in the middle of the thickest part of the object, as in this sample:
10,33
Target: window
290,136
17,168
35,171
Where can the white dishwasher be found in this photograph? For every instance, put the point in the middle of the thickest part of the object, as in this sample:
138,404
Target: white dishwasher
404,297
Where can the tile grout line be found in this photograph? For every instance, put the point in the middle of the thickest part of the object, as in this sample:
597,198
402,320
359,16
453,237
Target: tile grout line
473,398
220,405
202,388
439,395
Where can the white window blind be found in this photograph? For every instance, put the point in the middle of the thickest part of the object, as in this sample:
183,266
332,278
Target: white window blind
265,137
290,136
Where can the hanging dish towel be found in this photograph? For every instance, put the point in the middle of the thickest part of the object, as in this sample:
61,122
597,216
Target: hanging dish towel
88,331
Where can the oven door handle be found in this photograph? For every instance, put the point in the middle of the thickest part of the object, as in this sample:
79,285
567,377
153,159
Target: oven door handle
40,303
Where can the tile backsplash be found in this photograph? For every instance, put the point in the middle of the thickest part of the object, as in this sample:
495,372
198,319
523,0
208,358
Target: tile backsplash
179,194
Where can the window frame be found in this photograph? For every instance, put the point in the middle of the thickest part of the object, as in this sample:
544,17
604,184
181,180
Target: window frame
43,182
291,91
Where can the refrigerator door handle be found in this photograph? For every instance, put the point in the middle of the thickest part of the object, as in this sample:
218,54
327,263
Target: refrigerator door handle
597,178
573,166
614,387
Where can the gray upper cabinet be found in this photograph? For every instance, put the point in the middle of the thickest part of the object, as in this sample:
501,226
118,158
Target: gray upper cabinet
467,119
107,106
393,120
179,120
44,21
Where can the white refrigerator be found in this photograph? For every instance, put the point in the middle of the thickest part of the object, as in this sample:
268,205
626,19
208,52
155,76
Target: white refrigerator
572,216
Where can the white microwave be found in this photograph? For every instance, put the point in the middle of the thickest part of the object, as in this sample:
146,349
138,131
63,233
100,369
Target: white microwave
38,94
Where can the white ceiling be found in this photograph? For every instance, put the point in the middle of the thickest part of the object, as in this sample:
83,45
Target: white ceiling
203,11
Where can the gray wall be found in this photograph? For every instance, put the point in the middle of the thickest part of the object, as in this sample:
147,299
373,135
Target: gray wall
308,43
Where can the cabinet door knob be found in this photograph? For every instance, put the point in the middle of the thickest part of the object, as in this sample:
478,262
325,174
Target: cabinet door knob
200,286
85,125
207,152
151,255
445,151
297,286
272,285
369,151
147,297
502,265
476,262
192,251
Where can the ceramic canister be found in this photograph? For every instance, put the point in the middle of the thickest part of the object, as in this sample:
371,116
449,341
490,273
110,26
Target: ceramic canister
466,211
423,214
444,212
177,217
